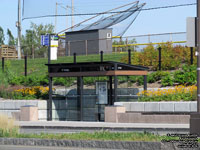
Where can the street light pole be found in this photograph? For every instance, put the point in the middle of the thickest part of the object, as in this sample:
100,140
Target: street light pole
19,30
198,56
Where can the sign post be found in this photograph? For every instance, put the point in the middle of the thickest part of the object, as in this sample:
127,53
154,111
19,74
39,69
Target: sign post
46,41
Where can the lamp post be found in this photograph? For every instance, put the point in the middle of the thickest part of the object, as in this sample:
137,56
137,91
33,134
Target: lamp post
198,56
195,117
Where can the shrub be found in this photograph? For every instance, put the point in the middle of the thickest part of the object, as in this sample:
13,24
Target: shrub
167,80
172,57
156,76
176,94
187,75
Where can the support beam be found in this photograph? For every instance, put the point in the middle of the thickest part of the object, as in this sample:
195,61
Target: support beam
49,102
80,97
110,102
115,86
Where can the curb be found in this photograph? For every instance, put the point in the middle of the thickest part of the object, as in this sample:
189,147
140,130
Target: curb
92,144
66,129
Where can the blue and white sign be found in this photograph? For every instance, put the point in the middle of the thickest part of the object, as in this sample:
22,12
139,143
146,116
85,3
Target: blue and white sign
45,40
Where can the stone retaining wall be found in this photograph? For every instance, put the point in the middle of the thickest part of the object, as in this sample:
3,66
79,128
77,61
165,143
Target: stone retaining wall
93,144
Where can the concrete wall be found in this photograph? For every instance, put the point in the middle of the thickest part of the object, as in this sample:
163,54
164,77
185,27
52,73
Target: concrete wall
67,109
159,106
156,112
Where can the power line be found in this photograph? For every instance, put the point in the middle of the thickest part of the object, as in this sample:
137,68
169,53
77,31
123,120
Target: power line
90,14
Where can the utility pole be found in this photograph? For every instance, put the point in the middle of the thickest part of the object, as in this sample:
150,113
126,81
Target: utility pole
195,117
19,30
198,56
72,17
56,17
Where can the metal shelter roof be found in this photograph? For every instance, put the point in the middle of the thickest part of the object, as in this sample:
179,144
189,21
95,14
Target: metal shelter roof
106,68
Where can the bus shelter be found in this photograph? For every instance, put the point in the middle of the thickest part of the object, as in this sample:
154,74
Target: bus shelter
106,92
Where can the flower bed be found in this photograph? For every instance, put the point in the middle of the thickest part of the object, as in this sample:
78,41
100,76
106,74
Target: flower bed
185,93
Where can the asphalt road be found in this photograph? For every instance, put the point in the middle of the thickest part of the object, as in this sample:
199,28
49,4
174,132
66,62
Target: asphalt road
14,147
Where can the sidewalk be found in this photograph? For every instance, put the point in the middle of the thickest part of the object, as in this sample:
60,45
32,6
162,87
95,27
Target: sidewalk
76,126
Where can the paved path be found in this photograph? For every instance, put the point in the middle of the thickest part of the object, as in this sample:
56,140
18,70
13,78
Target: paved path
75,126
15,147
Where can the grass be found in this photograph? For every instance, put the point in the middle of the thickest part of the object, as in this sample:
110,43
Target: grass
37,66
8,127
99,136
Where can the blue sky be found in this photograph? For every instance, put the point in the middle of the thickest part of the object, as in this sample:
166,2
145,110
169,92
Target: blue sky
154,21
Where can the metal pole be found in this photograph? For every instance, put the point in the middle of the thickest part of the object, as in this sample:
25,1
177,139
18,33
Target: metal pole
72,18
110,91
80,100
49,103
198,56
68,48
25,66
115,86
191,55
129,57
74,57
56,17
145,82
49,50
2,64
159,61
86,47
101,56
19,30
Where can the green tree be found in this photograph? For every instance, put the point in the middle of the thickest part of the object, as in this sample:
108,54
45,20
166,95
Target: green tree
125,42
31,41
2,38
11,39
28,43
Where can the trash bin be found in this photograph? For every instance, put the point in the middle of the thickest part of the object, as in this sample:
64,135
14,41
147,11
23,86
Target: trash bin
29,113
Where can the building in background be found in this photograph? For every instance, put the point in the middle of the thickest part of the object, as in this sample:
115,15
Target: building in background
88,42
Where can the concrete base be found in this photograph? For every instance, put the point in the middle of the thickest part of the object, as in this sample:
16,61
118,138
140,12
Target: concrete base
111,113
195,123
29,113
153,118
